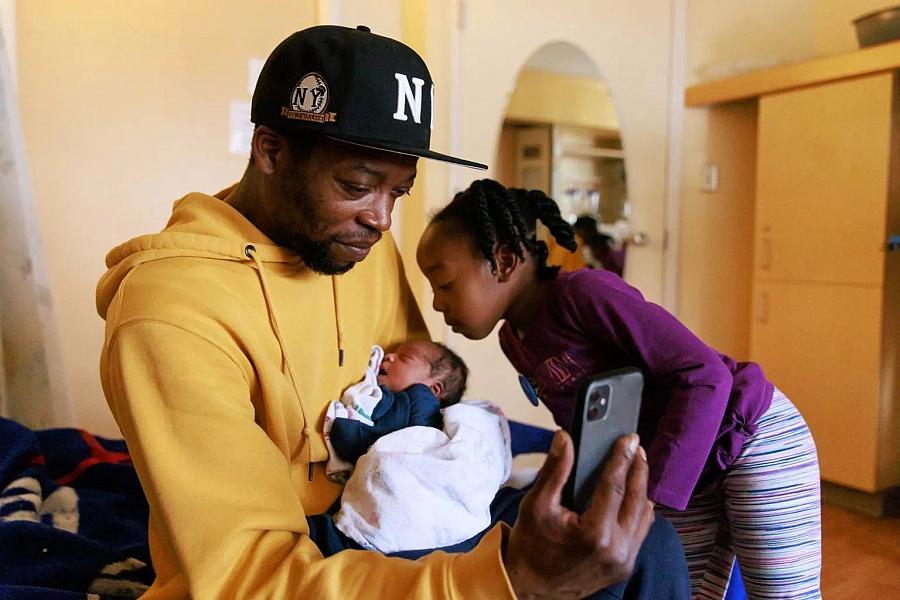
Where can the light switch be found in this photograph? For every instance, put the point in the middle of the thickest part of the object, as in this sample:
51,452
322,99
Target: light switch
710,180
240,129
254,66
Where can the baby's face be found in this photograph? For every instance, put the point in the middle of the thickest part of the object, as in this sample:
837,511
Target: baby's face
409,363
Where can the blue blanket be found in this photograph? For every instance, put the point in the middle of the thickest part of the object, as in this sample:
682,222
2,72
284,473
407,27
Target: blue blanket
73,518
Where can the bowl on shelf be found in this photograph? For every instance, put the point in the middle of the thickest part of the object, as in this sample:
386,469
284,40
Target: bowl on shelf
878,27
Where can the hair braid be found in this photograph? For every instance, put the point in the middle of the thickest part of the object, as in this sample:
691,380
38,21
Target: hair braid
490,214
547,211
508,227
486,237
524,226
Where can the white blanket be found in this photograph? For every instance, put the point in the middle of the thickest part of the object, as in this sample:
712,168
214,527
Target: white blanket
423,488
357,403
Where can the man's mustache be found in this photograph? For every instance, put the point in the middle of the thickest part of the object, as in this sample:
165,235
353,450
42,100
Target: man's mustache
366,238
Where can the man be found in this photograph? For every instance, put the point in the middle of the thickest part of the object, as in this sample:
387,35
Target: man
228,333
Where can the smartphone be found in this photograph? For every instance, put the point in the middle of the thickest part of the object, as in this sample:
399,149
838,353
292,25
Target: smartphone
607,408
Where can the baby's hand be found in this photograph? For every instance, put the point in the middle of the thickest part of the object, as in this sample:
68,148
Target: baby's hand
375,358
362,397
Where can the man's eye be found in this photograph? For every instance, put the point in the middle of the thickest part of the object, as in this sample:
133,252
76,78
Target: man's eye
400,192
354,189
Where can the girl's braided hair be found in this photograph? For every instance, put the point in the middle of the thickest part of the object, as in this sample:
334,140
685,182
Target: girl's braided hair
491,214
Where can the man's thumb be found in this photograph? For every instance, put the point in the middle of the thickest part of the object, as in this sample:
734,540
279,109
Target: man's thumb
555,472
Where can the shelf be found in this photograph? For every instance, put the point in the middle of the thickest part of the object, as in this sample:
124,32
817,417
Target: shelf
875,59
590,152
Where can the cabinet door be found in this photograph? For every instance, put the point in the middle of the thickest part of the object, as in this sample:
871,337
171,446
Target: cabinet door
533,158
822,182
820,345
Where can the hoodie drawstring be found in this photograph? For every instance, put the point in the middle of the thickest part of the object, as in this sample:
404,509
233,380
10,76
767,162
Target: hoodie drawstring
250,252
337,321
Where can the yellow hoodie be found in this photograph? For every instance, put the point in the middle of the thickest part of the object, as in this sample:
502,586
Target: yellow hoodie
222,351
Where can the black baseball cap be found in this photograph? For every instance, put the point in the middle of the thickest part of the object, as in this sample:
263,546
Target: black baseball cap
351,85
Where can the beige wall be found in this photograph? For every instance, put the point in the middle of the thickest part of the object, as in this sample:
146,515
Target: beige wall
715,249
125,109
834,32
555,98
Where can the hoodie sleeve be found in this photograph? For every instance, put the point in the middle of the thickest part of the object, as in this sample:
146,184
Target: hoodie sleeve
222,500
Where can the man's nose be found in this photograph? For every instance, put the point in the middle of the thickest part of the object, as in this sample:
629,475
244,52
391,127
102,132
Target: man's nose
378,214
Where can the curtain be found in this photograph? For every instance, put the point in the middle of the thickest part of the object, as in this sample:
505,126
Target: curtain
33,387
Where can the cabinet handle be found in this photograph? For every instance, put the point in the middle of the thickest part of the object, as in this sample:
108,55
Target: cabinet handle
765,258
893,243
762,309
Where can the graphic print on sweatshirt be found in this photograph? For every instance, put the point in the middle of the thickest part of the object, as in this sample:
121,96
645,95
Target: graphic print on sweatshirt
557,376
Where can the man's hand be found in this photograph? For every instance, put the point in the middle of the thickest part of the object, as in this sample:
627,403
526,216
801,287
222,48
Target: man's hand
553,552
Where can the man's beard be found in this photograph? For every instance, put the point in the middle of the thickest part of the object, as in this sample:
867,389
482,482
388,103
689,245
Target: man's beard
315,253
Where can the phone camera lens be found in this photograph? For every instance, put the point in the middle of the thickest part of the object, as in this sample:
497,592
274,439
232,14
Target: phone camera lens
598,403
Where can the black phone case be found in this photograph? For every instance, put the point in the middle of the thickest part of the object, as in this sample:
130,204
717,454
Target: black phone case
593,439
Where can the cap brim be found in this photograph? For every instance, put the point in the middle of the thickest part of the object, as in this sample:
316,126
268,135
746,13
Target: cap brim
409,151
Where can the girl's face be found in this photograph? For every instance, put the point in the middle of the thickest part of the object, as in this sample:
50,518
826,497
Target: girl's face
471,297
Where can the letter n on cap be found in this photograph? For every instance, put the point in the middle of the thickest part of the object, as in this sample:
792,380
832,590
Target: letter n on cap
406,97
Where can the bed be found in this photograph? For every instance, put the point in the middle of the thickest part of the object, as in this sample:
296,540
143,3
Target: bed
73,518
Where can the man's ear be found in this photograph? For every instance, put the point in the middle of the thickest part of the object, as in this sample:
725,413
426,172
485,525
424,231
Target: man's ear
436,387
507,261
267,146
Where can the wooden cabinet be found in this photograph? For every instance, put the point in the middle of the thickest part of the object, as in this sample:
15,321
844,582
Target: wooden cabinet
824,324
532,158
820,345
825,192
822,182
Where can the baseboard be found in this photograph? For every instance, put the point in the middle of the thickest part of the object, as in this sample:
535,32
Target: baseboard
885,503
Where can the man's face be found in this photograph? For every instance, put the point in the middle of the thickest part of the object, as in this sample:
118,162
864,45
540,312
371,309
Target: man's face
333,206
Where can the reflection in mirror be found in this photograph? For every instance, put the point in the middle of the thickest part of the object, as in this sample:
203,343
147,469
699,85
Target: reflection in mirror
561,135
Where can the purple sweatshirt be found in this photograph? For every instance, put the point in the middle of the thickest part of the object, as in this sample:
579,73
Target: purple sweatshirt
698,405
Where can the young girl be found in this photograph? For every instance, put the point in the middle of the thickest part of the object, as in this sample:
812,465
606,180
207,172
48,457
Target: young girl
732,463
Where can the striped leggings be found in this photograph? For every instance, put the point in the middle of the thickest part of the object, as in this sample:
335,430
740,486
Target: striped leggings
764,510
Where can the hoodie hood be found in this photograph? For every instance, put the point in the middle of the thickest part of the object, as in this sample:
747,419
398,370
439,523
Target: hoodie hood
201,226
204,226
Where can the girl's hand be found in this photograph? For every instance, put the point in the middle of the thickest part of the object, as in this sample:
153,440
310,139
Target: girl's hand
553,552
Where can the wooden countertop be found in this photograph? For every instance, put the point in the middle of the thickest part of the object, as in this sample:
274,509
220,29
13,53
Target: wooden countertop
883,57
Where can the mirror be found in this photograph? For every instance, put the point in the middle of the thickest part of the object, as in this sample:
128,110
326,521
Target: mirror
561,135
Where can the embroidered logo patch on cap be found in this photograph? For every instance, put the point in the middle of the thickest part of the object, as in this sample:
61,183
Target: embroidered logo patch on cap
309,100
